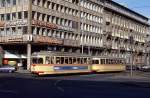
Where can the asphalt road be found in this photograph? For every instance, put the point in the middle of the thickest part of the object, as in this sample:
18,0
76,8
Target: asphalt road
76,86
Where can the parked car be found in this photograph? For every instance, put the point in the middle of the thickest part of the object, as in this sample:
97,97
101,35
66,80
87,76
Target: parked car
128,67
145,68
7,68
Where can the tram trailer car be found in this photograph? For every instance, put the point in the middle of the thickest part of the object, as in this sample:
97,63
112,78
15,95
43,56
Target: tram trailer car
108,64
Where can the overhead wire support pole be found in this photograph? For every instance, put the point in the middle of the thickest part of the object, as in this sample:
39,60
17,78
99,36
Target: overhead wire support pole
29,32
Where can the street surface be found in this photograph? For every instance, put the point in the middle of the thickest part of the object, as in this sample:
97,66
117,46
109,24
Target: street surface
108,85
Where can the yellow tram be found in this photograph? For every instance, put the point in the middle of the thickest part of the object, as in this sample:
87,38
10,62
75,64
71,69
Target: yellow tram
59,63
108,64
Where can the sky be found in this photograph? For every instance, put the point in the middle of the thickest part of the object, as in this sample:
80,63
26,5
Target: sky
140,6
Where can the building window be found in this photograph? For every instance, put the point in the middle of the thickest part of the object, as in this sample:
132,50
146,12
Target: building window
8,17
8,3
13,16
19,15
14,31
25,15
2,17
2,3
14,2
25,30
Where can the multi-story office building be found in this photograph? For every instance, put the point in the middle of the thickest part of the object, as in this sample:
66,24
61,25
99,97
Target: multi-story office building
94,27
126,32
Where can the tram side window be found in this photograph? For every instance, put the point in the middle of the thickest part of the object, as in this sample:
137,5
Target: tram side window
107,61
85,60
102,61
113,61
48,60
75,61
121,61
52,60
34,61
40,61
70,60
57,60
82,60
62,60
116,61
89,61
95,61
37,60
66,60
78,60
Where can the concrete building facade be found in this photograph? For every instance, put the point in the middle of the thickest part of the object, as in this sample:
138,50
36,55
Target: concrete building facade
94,27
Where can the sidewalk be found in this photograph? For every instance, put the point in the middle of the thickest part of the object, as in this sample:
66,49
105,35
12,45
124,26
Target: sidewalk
135,77
23,71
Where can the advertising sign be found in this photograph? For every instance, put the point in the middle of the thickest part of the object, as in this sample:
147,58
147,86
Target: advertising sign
17,23
45,39
69,42
44,24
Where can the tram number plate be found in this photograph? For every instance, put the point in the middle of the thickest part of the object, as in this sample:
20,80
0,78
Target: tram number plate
70,68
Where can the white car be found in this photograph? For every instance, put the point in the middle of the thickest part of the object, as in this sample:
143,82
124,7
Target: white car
7,68
145,68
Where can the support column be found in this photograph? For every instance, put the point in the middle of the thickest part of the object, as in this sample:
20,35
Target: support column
28,56
29,32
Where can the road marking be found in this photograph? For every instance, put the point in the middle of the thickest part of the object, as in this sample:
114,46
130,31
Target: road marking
8,91
58,87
